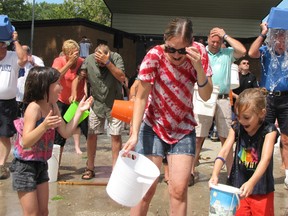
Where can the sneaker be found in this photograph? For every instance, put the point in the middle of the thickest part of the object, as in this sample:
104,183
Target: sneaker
4,173
285,185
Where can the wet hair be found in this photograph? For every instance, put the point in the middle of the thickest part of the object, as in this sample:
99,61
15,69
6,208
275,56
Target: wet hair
179,27
38,83
254,98
103,47
68,46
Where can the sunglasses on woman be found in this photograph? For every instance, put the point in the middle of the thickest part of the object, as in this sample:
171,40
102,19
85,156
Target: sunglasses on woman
181,51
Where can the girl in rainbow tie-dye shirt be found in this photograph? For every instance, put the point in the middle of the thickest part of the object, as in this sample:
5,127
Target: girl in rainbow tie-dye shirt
252,169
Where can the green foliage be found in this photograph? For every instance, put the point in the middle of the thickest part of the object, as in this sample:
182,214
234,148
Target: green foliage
17,10
21,10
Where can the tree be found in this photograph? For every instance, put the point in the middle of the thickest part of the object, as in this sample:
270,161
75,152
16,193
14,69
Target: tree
21,10
16,10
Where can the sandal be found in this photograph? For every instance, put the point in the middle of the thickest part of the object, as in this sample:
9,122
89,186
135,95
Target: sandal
88,174
191,181
166,181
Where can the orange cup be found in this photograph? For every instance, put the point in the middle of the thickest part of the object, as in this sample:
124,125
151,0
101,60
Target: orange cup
122,110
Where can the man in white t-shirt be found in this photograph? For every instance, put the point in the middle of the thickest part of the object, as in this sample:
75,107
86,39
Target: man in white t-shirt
22,76
10,63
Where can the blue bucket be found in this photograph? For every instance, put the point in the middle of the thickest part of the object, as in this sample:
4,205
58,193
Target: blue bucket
224,200
6,29
278,18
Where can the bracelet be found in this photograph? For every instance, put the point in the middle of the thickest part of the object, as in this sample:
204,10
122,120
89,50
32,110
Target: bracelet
220,158
202,85
225,36
107,62
263,36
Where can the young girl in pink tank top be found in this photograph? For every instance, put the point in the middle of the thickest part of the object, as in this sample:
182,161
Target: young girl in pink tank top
36,133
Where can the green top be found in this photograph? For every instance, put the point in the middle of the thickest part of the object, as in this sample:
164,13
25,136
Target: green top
221,66
104,87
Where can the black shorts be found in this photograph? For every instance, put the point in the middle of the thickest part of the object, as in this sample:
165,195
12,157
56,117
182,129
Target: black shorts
8,113
277,108
26,175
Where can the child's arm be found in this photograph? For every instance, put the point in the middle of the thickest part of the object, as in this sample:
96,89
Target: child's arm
222,155
266,155
86,88
66,130
74,87
31,133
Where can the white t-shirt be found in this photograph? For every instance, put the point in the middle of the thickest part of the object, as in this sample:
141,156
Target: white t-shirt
21,80
8,76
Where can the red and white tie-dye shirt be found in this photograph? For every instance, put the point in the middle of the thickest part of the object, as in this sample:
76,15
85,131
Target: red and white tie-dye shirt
170,108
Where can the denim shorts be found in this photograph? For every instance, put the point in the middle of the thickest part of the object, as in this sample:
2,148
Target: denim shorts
150,144
26,175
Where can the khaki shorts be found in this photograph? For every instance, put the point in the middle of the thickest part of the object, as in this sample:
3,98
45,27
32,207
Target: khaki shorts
204,125
96,125
223,120
223,117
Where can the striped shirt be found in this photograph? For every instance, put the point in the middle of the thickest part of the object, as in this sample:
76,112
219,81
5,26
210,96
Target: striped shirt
170,108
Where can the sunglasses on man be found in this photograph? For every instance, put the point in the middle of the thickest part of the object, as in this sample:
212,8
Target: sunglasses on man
181,51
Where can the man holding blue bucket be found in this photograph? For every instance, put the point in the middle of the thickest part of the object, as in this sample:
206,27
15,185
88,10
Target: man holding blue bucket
10,63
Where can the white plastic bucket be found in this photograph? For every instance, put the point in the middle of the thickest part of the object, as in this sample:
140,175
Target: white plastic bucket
206,108
234,77
131,178
53,164
224,200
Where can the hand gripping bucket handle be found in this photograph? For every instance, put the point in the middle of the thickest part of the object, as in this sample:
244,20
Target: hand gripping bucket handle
222,198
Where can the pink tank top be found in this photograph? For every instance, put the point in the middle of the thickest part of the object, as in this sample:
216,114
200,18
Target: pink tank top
40,151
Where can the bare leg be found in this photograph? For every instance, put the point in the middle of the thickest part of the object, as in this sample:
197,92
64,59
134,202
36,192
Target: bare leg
5,147
142,208
35,202
43,198
76,138
91,150
180,169
116,142
166,172
199,144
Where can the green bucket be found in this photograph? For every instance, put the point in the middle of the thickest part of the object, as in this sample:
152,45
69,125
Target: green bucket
72,110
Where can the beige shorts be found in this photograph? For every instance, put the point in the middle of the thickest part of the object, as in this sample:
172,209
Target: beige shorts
96,125
223,120
204,125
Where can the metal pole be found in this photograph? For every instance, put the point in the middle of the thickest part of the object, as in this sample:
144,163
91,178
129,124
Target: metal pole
32,27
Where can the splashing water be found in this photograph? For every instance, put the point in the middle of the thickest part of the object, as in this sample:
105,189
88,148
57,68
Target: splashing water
277,46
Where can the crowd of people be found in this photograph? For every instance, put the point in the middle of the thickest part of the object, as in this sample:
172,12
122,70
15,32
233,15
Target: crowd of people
163,124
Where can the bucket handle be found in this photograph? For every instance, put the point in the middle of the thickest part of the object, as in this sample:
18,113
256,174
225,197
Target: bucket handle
238,200
145,180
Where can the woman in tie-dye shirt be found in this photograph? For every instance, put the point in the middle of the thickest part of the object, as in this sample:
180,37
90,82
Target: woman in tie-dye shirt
167,76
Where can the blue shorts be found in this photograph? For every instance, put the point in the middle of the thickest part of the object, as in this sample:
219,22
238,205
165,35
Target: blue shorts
26,175
150,144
